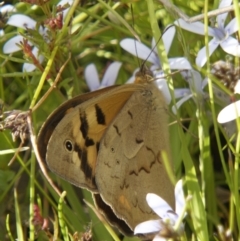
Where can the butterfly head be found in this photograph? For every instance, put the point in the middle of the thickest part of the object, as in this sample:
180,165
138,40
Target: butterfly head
144,75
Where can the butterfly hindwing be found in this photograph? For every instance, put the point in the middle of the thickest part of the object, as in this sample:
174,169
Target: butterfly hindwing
129,163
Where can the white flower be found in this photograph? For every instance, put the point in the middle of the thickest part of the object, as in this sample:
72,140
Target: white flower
162,85
143,52
221,35
4,10
25,22
168,217
195,91
109,77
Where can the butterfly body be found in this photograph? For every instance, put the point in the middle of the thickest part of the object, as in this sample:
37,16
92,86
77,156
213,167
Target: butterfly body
110,141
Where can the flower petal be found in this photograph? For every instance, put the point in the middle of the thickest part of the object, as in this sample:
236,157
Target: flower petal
156,64
21,21
231,46
179,63
229,113
151,226
11,47
232,26
237,87
187,75
44,32
196,27
180,102
179,197
181,92
224,3
131,80
195,81
140,50
157,204
133,77
27,67
168,38
91,76
202,57
7,8
170,217
111,74
222,17
162,85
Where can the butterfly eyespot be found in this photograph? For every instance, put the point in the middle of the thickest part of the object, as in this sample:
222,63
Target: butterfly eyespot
68,145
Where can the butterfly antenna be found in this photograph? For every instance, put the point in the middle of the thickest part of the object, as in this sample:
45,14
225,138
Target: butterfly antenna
144,73
165,30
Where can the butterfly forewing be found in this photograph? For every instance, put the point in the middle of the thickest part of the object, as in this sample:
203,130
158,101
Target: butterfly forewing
55,118
73,144
129,163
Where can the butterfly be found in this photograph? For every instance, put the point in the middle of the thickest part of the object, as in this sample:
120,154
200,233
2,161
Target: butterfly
110,142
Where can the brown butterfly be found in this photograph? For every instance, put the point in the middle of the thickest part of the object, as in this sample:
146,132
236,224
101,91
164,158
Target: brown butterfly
110,141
